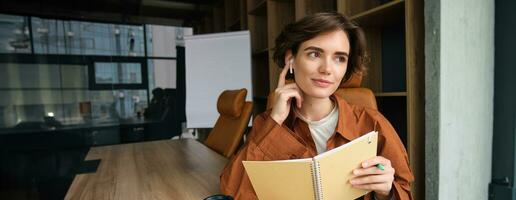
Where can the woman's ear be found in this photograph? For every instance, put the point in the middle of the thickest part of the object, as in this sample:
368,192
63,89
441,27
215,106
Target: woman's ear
288,57
289,63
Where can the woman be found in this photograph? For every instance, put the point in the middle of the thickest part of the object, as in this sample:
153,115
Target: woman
321,51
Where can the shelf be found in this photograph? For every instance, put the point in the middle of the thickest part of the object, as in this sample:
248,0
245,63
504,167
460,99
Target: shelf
386,14
391,94
234,25
259,9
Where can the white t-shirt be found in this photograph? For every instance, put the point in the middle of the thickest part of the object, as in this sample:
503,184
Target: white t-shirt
323,129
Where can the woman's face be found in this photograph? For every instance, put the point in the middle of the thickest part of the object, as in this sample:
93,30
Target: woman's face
321,62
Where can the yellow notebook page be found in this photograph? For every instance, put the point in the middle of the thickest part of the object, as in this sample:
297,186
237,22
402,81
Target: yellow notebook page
336,167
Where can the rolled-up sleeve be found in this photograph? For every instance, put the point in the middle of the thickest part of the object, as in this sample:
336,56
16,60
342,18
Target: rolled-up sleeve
268,140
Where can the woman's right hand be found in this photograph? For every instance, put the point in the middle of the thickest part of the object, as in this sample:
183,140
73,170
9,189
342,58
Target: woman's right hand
283,96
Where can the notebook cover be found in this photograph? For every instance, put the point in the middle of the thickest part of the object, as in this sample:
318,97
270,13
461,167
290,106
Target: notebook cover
280,180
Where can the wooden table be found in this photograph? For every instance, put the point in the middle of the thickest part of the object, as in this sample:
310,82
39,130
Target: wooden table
166,169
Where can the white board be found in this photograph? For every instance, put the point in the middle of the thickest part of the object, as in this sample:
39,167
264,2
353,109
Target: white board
214,63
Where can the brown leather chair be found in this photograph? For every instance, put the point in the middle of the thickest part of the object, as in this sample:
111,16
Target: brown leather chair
349,91
356,95
234,117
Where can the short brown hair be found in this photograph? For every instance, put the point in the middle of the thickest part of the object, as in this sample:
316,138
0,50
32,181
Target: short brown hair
310,26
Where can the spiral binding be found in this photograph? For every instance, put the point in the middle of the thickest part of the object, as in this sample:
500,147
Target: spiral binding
314,181
319,184
315,171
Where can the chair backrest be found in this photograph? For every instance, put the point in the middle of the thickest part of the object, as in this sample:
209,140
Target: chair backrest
358,96
234,117
349,91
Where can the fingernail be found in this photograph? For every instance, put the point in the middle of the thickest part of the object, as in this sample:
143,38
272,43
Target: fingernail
364,164
355,172
352,181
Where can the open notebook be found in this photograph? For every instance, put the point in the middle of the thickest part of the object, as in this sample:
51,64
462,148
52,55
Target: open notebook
325,176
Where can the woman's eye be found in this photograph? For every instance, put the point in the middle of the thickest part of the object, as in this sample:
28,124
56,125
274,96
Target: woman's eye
314,54
341,59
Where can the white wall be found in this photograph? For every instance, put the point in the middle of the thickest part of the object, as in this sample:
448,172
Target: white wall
462,83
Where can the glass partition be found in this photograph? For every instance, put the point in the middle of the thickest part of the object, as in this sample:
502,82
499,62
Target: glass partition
33,92
86,38
118,73
78,72
14,34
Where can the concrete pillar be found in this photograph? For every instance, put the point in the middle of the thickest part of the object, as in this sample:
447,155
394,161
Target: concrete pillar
459,64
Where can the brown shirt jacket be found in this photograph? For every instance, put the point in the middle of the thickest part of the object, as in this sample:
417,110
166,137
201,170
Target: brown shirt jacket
270,141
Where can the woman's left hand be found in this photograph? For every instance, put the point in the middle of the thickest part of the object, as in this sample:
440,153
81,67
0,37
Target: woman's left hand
371,177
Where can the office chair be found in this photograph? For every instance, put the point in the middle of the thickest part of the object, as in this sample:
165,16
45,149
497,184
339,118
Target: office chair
235,114
356,95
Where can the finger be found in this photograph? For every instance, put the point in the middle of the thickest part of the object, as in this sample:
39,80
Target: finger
289,86
290,93
283,74
298,96
295,87
375,161
372,179
286,88
299,99
371,170
375,186
287,94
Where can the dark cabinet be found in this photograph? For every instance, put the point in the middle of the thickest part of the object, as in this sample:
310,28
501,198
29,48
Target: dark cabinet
102,136
134,133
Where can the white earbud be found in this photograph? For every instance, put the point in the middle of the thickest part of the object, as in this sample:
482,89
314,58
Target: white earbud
291,62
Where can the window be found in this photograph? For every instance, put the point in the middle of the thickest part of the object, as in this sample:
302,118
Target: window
118,75
30,92
79,71
162,40
14,34
86,38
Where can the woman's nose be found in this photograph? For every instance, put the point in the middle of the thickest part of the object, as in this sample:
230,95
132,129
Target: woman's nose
325,67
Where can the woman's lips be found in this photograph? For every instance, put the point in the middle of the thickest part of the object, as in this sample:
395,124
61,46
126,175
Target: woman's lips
322,83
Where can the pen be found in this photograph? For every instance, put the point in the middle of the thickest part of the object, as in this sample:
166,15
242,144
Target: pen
380,166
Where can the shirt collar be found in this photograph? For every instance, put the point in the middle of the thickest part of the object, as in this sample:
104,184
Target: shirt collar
347,120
